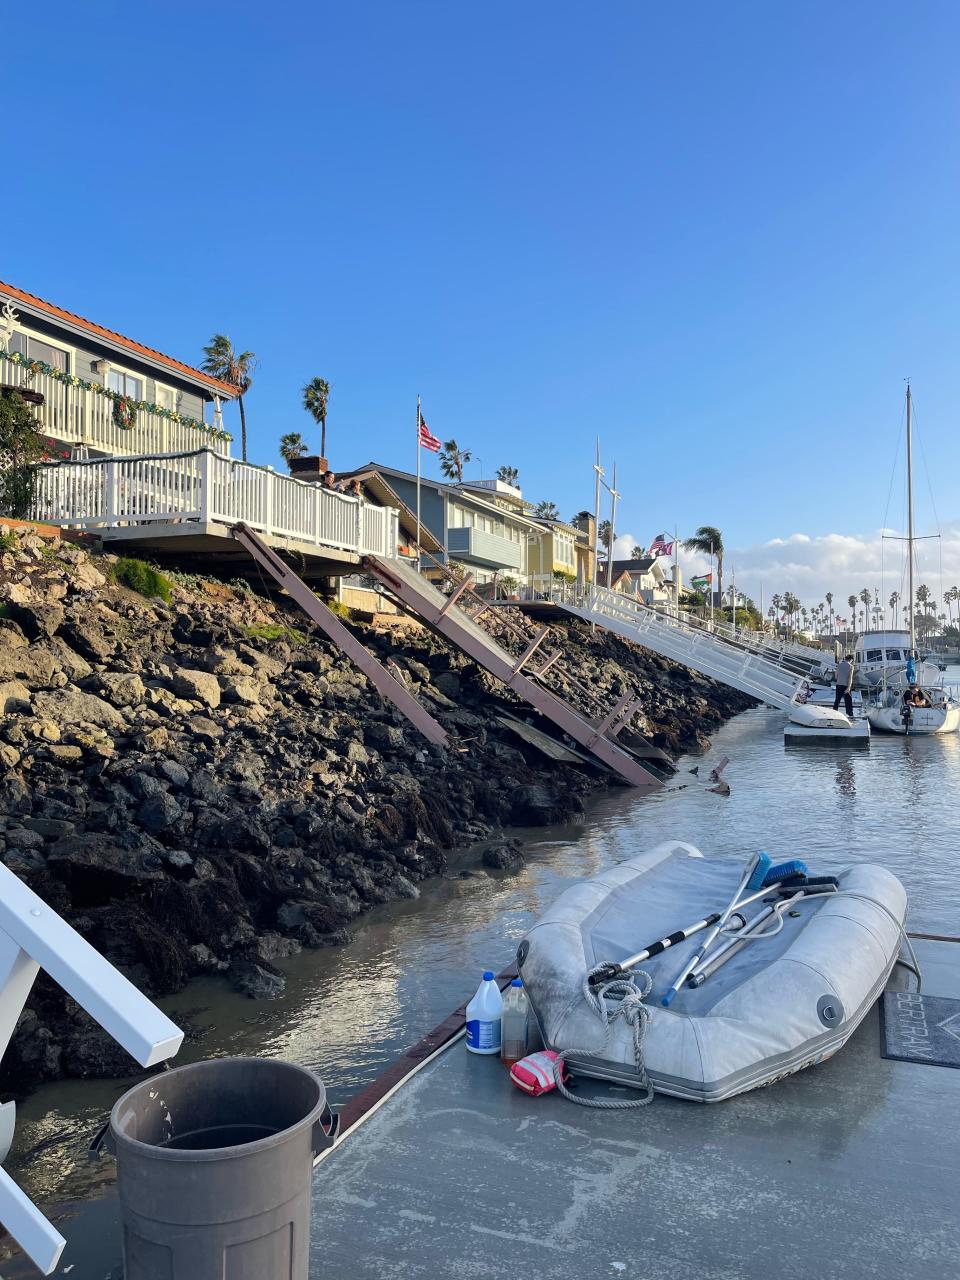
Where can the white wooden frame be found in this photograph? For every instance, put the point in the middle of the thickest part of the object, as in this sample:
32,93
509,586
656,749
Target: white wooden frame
34,937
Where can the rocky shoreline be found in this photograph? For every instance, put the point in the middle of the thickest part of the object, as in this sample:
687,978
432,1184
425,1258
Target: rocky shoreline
206,784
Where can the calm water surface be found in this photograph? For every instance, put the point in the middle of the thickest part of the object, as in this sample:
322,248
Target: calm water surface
347,1011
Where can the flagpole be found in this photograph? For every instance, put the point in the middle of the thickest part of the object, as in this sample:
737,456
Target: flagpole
613,527
596,518
676,570
418,484
711,586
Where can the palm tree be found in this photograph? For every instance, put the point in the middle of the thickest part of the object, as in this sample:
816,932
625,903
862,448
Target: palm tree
605,531
923,597
546,511
453,459
316,394
708,540
221,361
829,599
894,602
292,446
852,603
509,475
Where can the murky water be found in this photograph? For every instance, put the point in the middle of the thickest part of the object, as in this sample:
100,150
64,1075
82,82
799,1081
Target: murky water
347,1011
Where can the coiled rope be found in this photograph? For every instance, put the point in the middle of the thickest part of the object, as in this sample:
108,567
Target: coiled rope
629,997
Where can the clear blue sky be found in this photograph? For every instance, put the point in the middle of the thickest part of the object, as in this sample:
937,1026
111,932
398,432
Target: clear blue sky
718,235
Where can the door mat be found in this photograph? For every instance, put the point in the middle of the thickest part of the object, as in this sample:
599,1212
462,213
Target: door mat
916,1028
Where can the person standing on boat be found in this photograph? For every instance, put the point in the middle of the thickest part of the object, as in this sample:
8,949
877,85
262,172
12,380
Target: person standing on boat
844,685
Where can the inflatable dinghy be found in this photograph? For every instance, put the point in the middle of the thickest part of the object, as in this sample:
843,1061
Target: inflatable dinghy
771,1007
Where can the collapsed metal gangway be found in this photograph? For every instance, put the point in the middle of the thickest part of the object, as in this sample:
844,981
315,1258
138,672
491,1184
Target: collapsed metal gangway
524,674
693,646
378,675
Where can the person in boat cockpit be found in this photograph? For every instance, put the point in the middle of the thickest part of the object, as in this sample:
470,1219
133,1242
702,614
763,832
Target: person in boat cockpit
844,685
915,697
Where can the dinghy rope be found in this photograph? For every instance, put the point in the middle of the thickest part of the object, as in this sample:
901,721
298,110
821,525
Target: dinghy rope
630,997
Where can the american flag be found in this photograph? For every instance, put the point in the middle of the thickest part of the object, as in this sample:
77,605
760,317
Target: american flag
660,546
425,438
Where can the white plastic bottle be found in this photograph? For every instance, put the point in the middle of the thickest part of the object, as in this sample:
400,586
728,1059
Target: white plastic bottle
483,1017
516,1011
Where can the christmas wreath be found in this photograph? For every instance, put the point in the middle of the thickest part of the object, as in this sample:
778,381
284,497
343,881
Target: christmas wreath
124,412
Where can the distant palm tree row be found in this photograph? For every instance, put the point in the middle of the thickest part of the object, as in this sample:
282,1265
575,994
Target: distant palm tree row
865,612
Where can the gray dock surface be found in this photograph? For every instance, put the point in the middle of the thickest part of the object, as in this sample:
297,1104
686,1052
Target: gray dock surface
850,1169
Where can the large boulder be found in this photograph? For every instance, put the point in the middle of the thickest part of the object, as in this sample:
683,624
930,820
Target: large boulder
32,665
37,620
14,696
87,639
196,686
122,688
71,707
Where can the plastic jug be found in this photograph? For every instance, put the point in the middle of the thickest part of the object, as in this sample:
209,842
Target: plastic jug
514,1022
483,1017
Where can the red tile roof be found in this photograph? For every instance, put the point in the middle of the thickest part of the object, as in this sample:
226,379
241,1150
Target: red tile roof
58,313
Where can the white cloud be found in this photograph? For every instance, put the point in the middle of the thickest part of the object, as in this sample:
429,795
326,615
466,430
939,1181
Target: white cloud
811,565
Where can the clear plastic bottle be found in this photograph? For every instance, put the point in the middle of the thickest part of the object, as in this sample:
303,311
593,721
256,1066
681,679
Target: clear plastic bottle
483,1017
515,1023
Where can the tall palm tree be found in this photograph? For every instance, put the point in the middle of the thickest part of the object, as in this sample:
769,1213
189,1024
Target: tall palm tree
923,597
316,396
829,599
708,540
852,603
546,511
894,602
453,459
221,361
292,446
866,599
605,530
509,475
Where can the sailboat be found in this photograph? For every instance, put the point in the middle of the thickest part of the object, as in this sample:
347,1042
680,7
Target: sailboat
913,705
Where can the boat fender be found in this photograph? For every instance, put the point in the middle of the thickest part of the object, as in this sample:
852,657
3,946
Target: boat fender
534,1074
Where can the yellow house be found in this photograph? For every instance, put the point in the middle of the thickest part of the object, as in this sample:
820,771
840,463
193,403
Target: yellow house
555,551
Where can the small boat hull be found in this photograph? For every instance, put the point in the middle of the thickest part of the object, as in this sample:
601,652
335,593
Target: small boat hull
943,718
780,1004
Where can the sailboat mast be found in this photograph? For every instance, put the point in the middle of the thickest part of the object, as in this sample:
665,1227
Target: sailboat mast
913,635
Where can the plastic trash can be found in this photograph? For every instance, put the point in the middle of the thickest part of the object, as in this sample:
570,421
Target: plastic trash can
214,1169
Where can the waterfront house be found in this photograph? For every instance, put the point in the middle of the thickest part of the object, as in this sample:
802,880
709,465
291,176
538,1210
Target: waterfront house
643,578
480,524
554,555
97,393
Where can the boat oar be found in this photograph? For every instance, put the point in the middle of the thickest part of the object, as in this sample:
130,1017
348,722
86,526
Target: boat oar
753,877
608,972
749,931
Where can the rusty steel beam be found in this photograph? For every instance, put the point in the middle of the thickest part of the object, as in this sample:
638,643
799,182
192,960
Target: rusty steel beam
422,598
378,675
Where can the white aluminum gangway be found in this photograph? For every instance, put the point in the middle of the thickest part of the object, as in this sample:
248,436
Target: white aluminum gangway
770,681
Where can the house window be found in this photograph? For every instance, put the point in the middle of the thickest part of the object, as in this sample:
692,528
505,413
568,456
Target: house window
34,349
165,397
126,384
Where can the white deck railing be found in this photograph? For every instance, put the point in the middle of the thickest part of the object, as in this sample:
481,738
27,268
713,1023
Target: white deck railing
112,493
76,415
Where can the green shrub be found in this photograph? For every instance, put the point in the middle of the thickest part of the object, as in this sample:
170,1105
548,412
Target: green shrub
8,541
275,631
340,609
142,578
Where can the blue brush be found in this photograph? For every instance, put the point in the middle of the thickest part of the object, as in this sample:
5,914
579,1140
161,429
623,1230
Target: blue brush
758,877
782,871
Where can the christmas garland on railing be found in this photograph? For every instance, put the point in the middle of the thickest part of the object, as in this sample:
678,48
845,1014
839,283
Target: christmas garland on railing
124,407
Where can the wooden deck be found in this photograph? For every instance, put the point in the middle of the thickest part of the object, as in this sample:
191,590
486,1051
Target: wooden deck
183,505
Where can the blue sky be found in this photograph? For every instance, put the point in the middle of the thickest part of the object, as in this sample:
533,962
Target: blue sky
718,236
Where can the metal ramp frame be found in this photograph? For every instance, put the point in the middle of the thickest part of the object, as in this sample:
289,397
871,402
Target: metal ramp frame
445,614
378,675
694,647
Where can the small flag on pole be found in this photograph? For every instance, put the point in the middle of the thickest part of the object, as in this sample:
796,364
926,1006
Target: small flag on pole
426,439
660,546
701,582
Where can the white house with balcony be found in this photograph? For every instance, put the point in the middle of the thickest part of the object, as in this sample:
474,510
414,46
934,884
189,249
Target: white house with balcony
97,393
138,455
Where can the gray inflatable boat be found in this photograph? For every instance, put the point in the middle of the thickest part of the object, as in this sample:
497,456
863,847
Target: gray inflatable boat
778,1004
